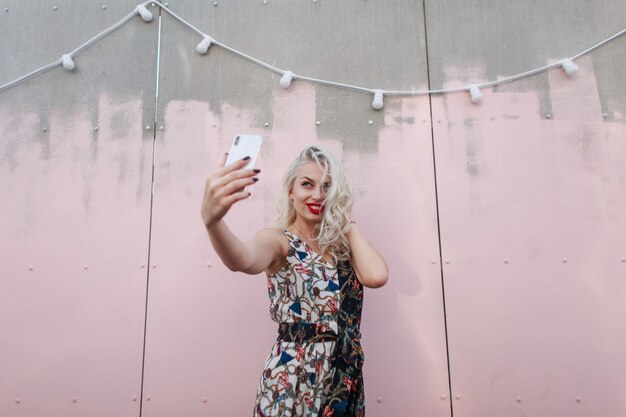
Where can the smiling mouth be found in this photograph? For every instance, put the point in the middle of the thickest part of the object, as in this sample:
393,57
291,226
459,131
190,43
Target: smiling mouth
315,208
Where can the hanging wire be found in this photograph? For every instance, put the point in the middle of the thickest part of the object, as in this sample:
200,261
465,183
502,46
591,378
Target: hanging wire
294,76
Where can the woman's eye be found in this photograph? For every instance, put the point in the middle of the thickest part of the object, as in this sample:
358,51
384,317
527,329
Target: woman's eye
306,184
326,186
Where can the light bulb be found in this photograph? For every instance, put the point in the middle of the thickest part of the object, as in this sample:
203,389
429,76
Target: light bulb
475,94
377,103
204,45
569,67
68,62
146,14
285,80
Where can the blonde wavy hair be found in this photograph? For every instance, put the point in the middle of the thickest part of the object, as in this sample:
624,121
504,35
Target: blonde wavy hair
331,232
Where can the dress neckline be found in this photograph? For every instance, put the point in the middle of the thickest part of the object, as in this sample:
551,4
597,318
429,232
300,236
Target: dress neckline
319,255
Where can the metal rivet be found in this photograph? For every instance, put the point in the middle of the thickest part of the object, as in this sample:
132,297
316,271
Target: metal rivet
74,399
443,397
6,9
203,399
371,122
458,397
605,115
548,116
215,3
379,399
432,261
96,128
104,6
623,259
30,268
55,7
492,118
423,121
438,121
314,1
564,260
142,266
166,4
579,400
153,5
506,261
45,129
448,261
147,398
147,127
264,1
317,122
161,127
153,266
85,267
519,399
208,265
134,398
266,124
17,401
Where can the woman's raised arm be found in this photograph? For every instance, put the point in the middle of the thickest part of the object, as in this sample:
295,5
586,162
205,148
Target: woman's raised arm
370,267
223,189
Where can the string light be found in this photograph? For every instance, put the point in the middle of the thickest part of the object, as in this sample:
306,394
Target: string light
285,80
569,67
287,77
378,103
146,14
68,62
203,46
475,94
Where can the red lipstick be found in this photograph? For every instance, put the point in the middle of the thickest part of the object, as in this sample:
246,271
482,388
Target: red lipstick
315,208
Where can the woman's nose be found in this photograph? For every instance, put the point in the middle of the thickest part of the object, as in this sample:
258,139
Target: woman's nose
317,193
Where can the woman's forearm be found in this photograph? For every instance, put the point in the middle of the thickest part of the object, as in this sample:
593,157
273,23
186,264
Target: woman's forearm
232,251
371,268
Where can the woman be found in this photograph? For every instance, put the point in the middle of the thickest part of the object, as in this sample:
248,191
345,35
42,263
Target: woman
317,262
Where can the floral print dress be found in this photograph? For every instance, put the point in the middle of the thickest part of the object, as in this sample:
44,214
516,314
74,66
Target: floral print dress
314,368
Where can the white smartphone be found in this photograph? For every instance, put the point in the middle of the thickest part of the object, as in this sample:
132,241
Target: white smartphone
242,146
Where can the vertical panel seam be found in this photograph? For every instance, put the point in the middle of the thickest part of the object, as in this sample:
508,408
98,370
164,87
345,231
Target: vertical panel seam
154,133
432,135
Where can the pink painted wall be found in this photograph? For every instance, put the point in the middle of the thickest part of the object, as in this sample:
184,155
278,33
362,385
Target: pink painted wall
532,231
220,357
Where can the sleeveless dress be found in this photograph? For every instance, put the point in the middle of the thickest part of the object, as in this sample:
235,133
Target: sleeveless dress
315,367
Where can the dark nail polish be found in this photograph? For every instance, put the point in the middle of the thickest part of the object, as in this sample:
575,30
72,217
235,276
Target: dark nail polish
246,158
256,170
255,179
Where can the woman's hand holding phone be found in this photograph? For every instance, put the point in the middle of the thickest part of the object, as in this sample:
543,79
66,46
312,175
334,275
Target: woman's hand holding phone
224,188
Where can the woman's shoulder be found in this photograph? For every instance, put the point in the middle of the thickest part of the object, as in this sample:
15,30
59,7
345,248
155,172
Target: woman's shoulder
271,233
274,236
279,239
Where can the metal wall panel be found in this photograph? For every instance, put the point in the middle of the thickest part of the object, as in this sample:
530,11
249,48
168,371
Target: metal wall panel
75,174
531,199
208,329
